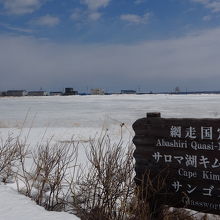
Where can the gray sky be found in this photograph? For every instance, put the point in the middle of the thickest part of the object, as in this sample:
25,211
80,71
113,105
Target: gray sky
190,62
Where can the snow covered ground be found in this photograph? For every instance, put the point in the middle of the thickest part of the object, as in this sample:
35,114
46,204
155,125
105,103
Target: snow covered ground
81,118
14,206
84,116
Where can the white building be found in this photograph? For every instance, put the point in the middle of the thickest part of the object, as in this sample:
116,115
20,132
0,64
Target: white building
97,92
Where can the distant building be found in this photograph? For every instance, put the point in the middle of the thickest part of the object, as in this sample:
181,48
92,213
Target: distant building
16,93
177,90
3,93
128,92
37,93
97,92
70,91
56,93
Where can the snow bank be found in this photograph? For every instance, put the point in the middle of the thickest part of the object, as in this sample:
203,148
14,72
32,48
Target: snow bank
14,206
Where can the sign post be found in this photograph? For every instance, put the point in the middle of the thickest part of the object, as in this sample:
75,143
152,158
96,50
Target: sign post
184,154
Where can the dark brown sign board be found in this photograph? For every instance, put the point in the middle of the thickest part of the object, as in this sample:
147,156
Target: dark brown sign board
188,151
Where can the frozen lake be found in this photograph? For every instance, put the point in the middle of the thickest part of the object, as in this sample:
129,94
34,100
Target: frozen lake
83,116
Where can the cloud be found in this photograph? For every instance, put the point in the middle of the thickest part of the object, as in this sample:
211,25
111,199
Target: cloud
77,14
47,20
94,16
81,16
139,1
95,4
16,29
20,7
135,19
207,18
213,5
91,13
191,61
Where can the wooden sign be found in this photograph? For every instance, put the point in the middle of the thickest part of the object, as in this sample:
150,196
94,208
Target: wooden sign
188,151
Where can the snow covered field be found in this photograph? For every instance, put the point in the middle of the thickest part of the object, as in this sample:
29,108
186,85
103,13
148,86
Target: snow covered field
14,206
84,116
81,118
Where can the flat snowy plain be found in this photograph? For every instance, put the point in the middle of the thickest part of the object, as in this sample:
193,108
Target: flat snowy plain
81,118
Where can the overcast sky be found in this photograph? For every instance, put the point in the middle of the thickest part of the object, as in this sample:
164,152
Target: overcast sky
151,45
